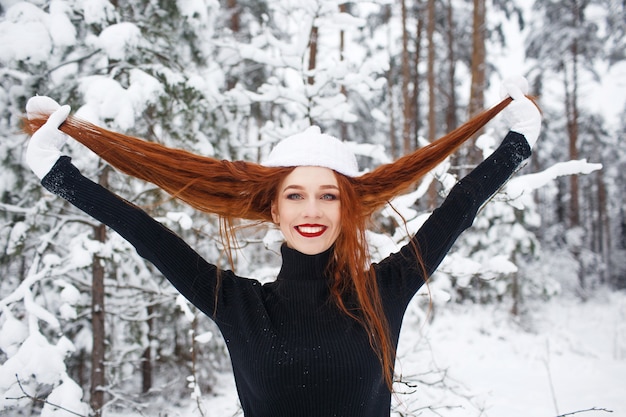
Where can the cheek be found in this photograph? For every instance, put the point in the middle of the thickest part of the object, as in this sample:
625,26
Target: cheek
336,216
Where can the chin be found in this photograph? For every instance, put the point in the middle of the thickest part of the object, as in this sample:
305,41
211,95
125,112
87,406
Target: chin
310,249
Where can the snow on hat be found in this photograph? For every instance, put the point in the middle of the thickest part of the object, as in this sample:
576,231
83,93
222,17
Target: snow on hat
313,148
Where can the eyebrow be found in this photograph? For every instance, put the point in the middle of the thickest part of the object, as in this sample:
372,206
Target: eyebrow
322,187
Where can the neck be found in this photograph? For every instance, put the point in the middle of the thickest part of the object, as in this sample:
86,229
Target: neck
301,267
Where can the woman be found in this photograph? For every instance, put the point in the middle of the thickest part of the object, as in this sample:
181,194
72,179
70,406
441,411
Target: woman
321,339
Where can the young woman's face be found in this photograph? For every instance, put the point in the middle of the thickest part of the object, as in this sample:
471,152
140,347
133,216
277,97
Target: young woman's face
308,209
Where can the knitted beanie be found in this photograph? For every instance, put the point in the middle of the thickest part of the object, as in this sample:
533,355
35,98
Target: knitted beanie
313,148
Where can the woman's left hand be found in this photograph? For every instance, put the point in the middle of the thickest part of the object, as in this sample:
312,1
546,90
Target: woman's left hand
522,114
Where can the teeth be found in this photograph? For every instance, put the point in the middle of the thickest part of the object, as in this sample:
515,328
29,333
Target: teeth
309,229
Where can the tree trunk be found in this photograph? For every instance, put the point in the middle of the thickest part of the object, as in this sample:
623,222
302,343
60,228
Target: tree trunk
233,9
416,74
603,227
432,110
571,105
312,52
312,62
97,317
451,116
406,80
343,128
571,102
393,142
393,145
478,67
477,98
146,358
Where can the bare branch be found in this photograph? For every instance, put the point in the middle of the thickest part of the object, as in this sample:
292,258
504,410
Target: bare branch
585,411
39,400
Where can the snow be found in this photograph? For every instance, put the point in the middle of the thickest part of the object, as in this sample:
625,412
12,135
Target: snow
564,356
197,8
37,358
97,11
204,337
561,357
183,219
12,333
184,306
64,400
117,39
24,40
37,312
520,188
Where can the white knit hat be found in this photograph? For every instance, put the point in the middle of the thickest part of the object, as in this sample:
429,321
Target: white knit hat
313,148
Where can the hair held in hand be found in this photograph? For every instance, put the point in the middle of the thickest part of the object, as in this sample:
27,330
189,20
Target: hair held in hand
245,190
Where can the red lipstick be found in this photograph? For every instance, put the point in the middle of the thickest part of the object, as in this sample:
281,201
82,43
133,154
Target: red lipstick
311,230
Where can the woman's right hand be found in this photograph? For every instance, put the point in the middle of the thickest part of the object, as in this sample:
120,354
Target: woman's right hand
44,147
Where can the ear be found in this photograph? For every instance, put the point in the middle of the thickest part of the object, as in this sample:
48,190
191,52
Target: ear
275,215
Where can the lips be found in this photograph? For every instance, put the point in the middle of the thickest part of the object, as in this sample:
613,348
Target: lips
311,230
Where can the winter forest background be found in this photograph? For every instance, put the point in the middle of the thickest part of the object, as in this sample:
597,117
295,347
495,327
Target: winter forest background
527,315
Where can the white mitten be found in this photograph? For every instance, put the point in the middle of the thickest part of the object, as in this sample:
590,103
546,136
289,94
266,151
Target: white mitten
44,147
521,115
40,106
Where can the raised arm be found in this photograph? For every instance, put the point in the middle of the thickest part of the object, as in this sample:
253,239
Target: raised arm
182,266
435,238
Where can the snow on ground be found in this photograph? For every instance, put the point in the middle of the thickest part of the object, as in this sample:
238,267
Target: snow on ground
563,356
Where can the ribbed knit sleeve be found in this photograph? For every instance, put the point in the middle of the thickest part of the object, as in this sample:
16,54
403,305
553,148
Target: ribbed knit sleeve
182,266
400,274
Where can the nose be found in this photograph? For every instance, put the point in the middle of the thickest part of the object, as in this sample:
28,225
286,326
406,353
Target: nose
312,208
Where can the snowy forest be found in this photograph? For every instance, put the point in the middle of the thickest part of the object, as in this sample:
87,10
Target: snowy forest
526,315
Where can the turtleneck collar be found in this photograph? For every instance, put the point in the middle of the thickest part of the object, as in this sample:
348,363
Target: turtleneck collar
300,267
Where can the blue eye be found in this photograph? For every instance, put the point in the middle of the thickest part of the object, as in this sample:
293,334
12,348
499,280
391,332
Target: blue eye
294,196
329,197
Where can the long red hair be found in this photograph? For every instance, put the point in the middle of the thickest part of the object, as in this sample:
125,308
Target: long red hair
245,190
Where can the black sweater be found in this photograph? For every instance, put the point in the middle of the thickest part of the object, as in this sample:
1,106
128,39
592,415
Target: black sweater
293,353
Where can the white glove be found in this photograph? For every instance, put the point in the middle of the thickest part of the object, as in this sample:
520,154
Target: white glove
44,146
521,115
40,106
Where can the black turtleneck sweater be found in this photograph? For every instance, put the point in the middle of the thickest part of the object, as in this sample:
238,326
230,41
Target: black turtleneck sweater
293,352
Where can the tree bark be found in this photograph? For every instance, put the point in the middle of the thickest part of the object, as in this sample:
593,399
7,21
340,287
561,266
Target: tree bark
432,105
603,227
406,80
416,74
393,145
343,128
98,317
146,358
312,51
451,116
571,102
235,26
478,67
477,98
233,9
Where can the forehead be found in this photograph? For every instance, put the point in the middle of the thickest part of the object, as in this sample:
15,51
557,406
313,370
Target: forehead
310,177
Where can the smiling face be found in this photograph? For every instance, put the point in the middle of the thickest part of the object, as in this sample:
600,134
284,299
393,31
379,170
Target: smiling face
308,209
